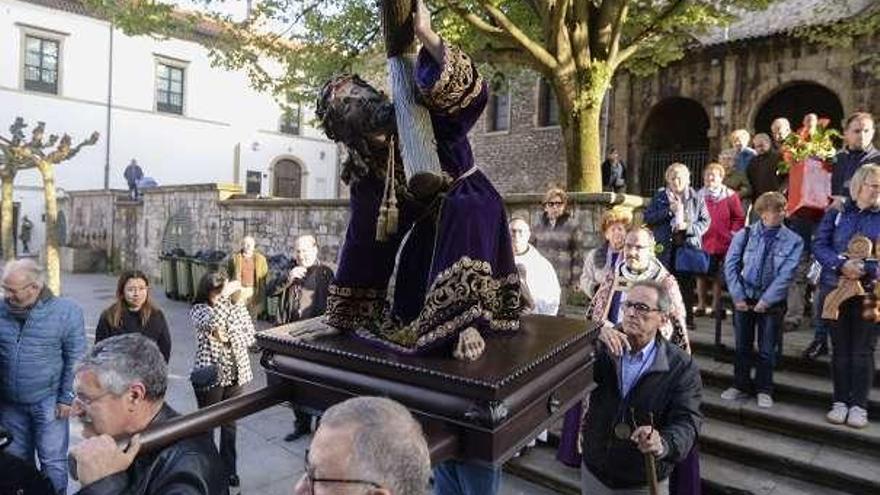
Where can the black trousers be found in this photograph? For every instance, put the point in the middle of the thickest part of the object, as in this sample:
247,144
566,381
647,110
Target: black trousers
853,341
214,395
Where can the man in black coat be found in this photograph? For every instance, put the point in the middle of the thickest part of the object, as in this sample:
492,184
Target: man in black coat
303,297
109,409
646,403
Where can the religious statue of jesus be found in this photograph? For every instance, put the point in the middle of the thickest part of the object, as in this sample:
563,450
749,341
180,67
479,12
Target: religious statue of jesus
426,263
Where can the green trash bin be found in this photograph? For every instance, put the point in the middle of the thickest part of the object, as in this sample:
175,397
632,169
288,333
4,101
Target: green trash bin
184,278
199,269
169,275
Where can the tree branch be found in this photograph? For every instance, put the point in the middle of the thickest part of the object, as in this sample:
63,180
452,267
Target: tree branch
642,37
530,46
580,35
476,21
616,29
557,24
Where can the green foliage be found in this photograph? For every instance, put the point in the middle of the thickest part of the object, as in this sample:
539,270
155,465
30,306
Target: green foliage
859,31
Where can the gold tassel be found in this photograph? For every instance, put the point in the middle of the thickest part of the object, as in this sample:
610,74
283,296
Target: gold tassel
382,224
391,226
386,224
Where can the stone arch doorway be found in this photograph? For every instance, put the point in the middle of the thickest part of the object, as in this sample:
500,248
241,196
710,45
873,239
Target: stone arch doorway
796,99
676,130
287,178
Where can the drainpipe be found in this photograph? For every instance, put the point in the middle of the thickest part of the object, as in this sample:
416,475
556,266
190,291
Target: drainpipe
109,111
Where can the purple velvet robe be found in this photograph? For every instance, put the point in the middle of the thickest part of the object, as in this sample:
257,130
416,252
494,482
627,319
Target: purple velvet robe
454,269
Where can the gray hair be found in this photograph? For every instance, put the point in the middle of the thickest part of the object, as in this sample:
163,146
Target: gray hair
388,446
859,178
664,303
762,137
29,268
307,237
120,361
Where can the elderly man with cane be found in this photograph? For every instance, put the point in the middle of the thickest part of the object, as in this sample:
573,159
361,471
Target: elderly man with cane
644,414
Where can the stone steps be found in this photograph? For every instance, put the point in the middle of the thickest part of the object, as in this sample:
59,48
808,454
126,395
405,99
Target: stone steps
726,477
790,419
703,343
789,386
720,476
799,458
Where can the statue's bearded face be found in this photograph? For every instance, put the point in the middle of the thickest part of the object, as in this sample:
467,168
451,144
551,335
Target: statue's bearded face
350,110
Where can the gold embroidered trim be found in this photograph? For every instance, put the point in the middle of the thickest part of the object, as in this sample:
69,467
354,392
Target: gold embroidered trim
459,83
350,308
461,294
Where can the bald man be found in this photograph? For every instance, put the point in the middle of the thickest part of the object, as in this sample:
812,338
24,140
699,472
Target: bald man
304,296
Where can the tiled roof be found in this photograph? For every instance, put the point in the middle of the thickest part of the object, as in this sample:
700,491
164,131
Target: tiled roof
205,28
73,6
784,15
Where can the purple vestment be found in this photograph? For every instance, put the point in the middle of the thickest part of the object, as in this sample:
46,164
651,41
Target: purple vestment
454,266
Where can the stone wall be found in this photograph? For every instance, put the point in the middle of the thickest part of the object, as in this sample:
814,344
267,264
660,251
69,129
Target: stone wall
526,157
206,217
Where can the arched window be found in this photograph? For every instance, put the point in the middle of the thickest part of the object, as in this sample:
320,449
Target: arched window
498,111
287,176
548,108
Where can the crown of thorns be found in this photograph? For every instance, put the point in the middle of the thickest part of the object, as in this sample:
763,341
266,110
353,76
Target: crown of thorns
332,111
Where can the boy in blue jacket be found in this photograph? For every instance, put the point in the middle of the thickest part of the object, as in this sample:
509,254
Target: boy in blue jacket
759,267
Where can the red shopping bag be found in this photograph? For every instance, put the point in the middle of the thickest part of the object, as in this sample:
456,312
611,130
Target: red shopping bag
809,189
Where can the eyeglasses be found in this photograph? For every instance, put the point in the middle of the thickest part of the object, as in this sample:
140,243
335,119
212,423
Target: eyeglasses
640,308
16,290
311,479
88,401
554,203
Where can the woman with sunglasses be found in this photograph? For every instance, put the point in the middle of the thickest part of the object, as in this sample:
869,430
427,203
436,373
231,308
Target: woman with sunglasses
134,312
558,237
224,331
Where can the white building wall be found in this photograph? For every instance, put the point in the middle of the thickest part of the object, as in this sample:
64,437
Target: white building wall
222,113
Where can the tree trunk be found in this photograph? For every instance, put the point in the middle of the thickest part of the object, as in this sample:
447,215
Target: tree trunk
580,106
53,262
583,152
6,217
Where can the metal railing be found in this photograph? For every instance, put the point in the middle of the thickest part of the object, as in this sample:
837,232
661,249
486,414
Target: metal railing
654,163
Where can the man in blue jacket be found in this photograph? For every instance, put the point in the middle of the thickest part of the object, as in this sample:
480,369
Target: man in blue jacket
41,339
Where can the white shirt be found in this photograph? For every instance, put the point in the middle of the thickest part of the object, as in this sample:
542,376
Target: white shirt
541,280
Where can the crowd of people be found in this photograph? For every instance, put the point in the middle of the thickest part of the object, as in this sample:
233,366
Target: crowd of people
644,285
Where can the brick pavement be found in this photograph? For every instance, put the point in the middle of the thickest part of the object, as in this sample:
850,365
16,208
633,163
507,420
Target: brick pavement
267,464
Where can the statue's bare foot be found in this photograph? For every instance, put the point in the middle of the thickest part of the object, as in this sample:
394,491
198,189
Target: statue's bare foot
310,330
470,345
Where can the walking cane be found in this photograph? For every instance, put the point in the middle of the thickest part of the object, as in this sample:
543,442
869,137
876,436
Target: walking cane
651,465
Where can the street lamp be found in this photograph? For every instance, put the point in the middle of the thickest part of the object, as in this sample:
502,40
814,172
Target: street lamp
718,109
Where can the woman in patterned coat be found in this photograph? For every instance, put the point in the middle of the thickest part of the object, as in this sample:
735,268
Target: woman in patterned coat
224,331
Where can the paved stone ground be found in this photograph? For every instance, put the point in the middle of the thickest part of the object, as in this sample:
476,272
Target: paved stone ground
267,464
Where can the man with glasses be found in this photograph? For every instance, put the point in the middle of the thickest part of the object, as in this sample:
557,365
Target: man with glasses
639,264
370,444
41,338
120,391
645,409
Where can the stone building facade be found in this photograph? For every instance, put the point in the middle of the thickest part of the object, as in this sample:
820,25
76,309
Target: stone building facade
742,77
